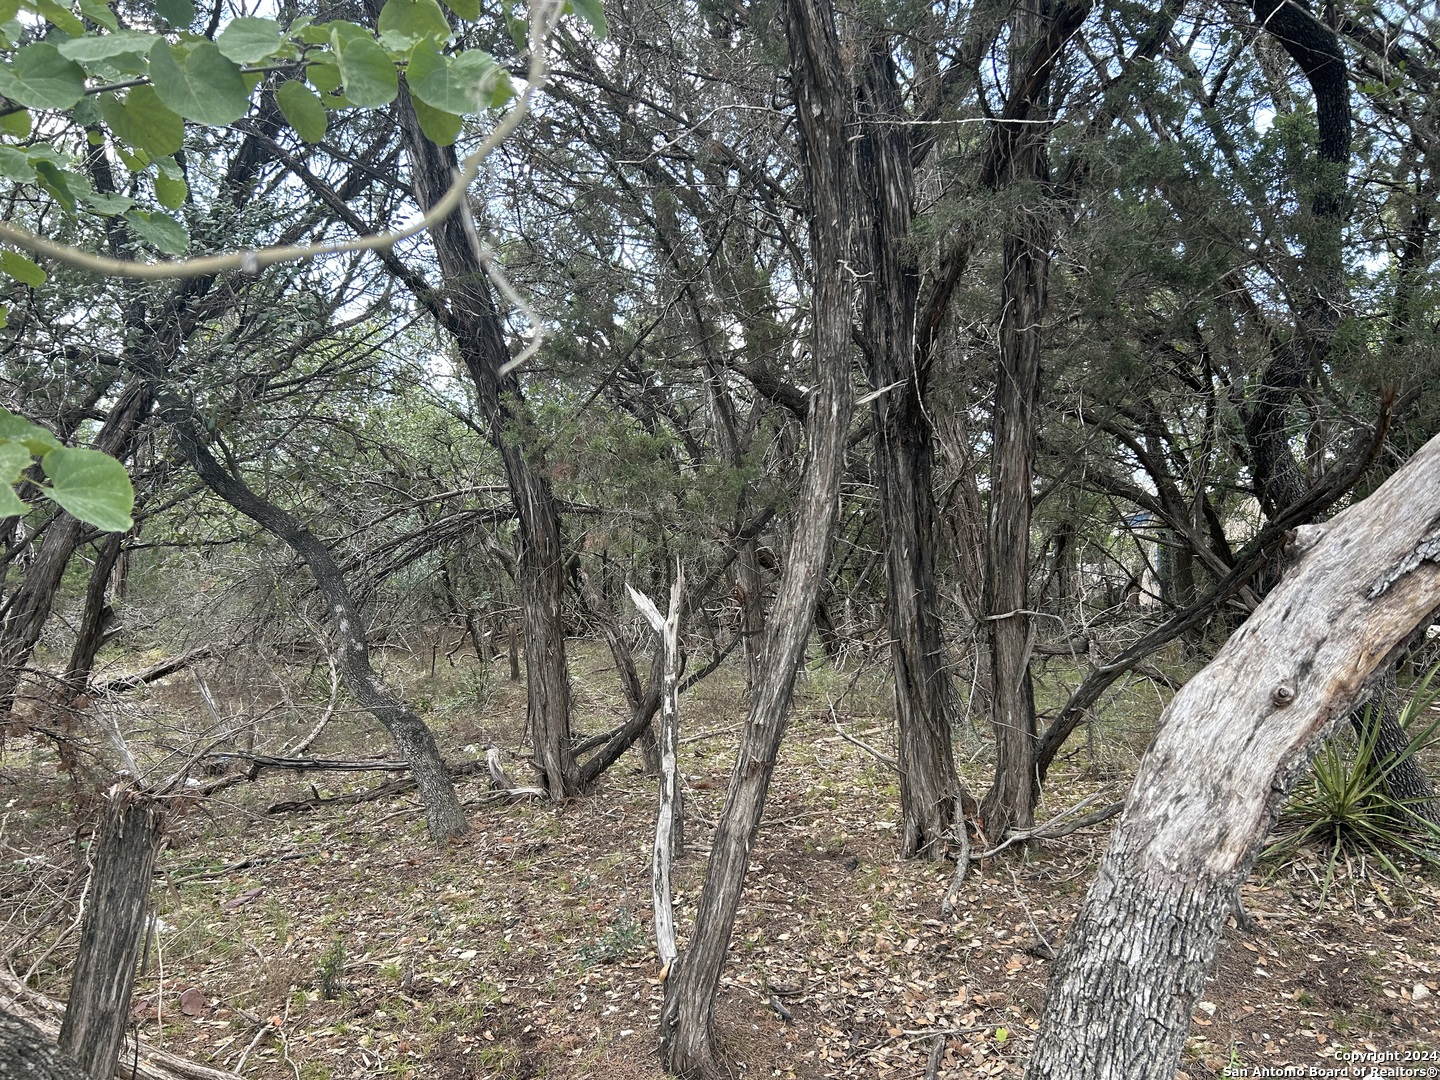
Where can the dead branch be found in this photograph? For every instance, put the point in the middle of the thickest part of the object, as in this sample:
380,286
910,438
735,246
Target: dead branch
153,672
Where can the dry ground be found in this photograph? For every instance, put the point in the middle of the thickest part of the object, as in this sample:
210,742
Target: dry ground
342,944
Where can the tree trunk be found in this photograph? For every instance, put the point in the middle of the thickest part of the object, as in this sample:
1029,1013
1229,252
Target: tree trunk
822,111
904,464
95,620
114,931
26,1054
474,321
413,739
1379,724
1230,746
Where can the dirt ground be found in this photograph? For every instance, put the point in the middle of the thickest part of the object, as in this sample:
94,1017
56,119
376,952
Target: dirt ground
341,943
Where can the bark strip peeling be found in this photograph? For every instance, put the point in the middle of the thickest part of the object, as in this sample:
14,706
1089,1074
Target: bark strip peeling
1230,746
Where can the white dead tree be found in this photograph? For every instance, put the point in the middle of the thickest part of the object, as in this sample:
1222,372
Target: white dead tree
669,823
1230,746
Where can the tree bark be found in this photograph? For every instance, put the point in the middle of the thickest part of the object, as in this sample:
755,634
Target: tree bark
474,322
443,812
822,111
114,931
1230,746
904,463
26,1054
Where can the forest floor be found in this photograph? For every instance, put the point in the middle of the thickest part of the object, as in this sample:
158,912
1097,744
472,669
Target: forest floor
342,944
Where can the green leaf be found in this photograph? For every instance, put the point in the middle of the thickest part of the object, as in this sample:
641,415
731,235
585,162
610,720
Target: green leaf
17,429
15,165
469,10
41,78
57,15
107,203
21,269
324,75
99,14
144,121
410,21
16,123
15,458
10,503
248,40
178,13
162,230
460,84
366,71
93,48
91,486
199,83
302,110
593,12
171,191
139,161
440,127
63,185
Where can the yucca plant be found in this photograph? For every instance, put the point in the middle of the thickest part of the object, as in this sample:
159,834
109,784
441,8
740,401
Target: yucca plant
1345,809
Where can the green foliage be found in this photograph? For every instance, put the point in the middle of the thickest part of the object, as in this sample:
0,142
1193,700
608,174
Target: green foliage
88,484
1345,810
330,972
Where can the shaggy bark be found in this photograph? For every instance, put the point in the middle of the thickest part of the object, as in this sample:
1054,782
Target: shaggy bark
822,112
114,930
1230,746
26,1054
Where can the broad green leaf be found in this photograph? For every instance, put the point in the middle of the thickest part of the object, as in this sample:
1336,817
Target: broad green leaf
178,13
324,75
63,185
144,121
9,9
16,123
17,429
99,14
171,191
459,84
15,458
139,161
91,486
92,47
469,10
410,21
107,203
21,269
248,40
366,71
302,110
10,503
15,165
199,83
57,15
441,128
4,316
41,78
163,231
593,12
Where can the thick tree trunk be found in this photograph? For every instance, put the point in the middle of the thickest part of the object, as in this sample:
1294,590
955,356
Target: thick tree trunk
904,464
1230,746
26,1054
822,110
474,321
413,739
114,931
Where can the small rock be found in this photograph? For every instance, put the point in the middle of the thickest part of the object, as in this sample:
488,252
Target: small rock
1207,1007
1419,992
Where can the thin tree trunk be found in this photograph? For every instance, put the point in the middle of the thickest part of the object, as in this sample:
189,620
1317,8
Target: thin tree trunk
95,620
1230,746
113,933
412,738
822,110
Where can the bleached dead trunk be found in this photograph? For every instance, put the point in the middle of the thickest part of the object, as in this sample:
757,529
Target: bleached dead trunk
1230,747
669,823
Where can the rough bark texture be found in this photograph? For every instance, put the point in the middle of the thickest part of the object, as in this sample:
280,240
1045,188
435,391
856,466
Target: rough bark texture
26,1054
686,1022
474,322
1017,163
413,739
114,930
1230,746
904,463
